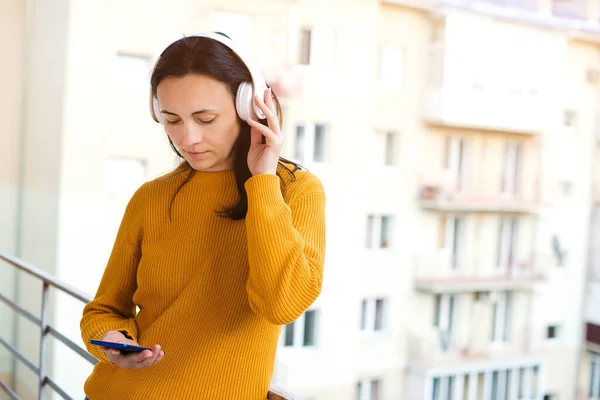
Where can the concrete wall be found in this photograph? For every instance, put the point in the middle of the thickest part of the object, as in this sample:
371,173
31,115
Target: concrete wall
11,47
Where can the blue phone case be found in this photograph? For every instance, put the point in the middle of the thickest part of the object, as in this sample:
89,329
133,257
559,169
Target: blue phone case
125,348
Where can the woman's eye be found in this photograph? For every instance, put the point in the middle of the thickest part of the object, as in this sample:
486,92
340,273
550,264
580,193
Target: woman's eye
207,121
173,122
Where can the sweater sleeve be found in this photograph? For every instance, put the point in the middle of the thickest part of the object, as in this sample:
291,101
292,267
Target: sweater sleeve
286,248
113,308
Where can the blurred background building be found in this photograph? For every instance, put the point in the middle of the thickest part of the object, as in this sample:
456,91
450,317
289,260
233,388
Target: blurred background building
458,142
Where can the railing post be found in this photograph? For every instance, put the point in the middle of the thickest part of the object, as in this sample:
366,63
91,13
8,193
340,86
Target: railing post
43,341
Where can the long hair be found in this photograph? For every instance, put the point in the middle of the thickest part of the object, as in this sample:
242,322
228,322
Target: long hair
205,56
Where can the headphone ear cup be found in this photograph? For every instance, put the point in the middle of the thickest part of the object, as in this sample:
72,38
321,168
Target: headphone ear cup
156,111
244,103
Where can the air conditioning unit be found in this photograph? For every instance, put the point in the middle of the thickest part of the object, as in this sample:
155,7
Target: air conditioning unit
593,75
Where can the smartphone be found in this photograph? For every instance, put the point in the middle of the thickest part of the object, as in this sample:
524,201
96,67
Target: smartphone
124,348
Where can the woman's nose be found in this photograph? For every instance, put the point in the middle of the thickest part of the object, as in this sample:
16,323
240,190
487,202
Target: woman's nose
192,134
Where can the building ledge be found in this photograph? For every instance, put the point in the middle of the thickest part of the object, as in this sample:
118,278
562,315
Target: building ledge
480,206
470,285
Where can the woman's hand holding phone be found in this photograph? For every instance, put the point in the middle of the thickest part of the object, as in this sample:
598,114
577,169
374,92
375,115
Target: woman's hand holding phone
144,359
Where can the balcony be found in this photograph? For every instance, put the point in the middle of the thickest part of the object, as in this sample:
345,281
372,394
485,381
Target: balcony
443,272
438,351
446,196
486,110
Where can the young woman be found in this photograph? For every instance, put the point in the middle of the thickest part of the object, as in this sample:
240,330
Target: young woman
216,255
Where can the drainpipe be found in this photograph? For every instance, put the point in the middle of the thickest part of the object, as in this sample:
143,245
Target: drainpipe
27,48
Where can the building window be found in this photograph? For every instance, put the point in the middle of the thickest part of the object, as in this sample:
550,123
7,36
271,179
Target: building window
512,164
444,317
303,331
320,143
570,119
390,148
391,68
502,313
455,162
451,235
368,389
299,148
373,315
595,377
310,144
379,231
435,390
131,71
521,382
553,332
310,328
235,25
507,243
317,46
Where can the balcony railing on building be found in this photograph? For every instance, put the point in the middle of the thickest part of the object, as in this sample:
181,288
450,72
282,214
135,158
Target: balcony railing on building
485,109
448,194
441,349
444,272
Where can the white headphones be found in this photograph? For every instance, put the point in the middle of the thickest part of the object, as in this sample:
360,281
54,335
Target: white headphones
244,102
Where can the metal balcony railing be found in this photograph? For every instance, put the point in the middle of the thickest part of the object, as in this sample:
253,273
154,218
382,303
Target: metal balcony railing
47,330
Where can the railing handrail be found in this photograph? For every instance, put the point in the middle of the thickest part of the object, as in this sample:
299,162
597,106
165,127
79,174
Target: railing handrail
46,277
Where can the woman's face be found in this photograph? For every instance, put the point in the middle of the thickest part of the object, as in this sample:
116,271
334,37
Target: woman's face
200,119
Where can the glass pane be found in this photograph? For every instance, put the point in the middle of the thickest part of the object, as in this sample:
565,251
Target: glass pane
289,335
495,386
451,388
389,148
592,375
363,318
379,304
521,382
359,390
370,223
435,392
375,389
320,143
451,312
507,308
309,327
534,383
299,147
438,310
385,232
305,39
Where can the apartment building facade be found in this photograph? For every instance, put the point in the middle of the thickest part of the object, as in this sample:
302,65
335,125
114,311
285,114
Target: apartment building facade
452,138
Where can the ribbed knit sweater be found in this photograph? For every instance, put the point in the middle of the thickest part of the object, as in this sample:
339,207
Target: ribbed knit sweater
211,291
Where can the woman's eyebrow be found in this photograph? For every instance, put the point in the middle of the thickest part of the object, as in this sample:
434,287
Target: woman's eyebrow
208,110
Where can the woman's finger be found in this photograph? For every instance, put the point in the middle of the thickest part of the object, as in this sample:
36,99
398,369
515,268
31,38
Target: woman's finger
272,120
160,357
149,361
272,138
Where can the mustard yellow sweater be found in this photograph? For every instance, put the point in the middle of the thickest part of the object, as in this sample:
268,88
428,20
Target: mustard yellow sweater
211,291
